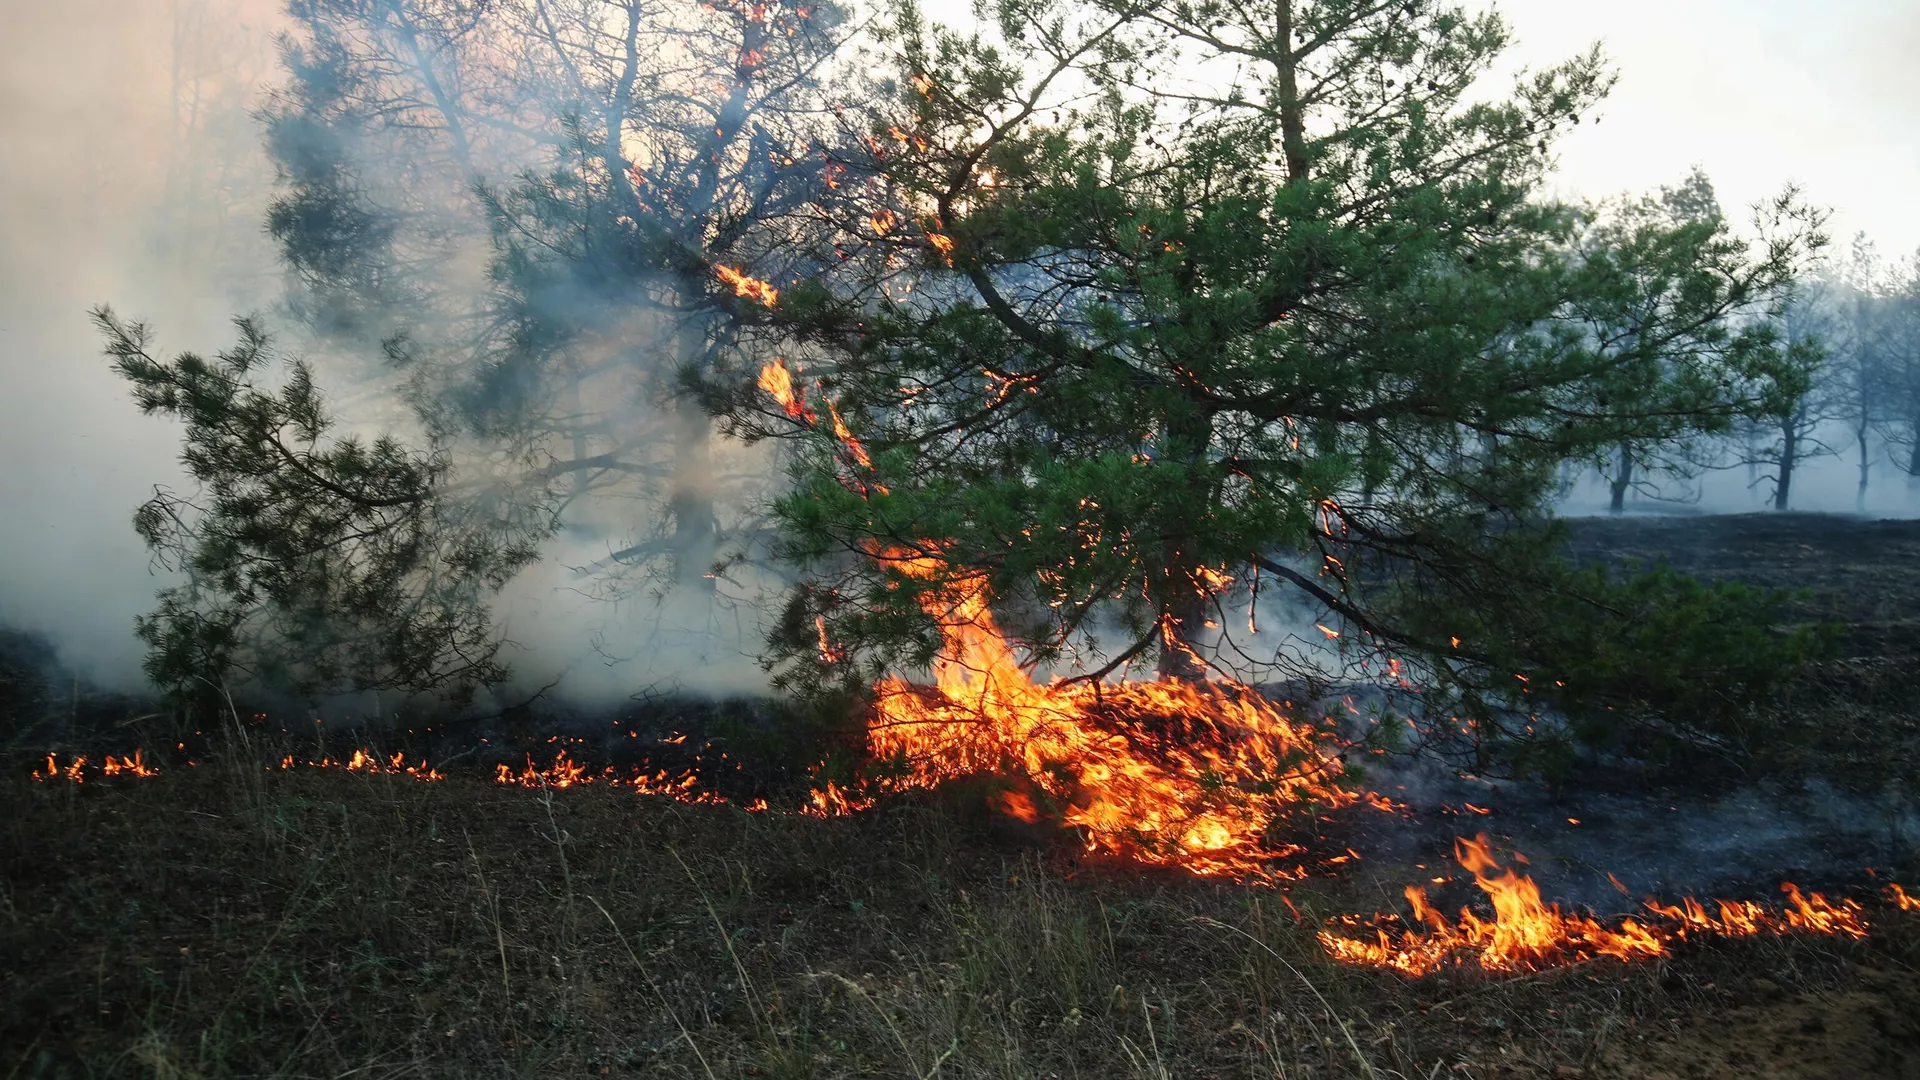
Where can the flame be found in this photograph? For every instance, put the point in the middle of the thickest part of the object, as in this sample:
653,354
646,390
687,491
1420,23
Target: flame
1170,773
1526,934
135,764
828,653
777,381
743,285
366,761
564,772
847,440
131,766
906,138
1173,773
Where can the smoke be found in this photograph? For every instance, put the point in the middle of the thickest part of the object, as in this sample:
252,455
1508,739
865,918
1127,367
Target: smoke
1605,846
132,176
138,175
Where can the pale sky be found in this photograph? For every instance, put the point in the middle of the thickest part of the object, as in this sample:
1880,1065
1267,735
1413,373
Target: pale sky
1823,93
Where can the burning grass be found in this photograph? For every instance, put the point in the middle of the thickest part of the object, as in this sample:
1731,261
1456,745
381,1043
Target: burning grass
1526,934
1186,775
267,914
237,918
1161,815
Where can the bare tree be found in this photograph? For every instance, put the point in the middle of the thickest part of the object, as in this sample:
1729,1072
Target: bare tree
1899,342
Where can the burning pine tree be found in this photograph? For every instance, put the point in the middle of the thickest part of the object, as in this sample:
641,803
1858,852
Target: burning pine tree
1109,346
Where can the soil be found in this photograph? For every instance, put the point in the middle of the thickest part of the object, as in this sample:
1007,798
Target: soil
1864,1027
1859,573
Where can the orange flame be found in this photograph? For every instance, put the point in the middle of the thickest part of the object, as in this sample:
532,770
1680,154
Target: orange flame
743,285
847,440
132,766
1178,774
565,772
1526,934
777,381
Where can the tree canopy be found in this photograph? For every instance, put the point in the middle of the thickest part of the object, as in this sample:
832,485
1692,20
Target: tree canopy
1141,305
313,562
1115,313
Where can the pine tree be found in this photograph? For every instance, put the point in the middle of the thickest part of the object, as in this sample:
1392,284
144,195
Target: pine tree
312,562
1900,326
1147,304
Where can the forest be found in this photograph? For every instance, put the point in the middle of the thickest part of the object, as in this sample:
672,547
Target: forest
1077,538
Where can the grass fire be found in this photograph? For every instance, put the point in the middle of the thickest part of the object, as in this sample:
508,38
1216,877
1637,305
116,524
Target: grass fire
1060,539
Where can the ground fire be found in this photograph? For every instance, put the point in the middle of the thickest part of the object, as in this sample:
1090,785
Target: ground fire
1193,774
1190,775
1152,798
1527,934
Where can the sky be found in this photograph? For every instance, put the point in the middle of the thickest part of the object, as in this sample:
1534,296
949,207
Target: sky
1822,93
128,175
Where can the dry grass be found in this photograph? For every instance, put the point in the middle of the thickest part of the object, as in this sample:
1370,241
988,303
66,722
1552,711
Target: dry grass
225,921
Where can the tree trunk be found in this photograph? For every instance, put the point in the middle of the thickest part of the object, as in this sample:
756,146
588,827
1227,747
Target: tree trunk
1293,113
1622,480
696,540
1789,451
1186,615
1183,601
579,440
1866,465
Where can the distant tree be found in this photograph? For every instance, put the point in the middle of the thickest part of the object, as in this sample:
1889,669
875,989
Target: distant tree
1688,214
1134,341
1787,433
1860,368
1899,339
